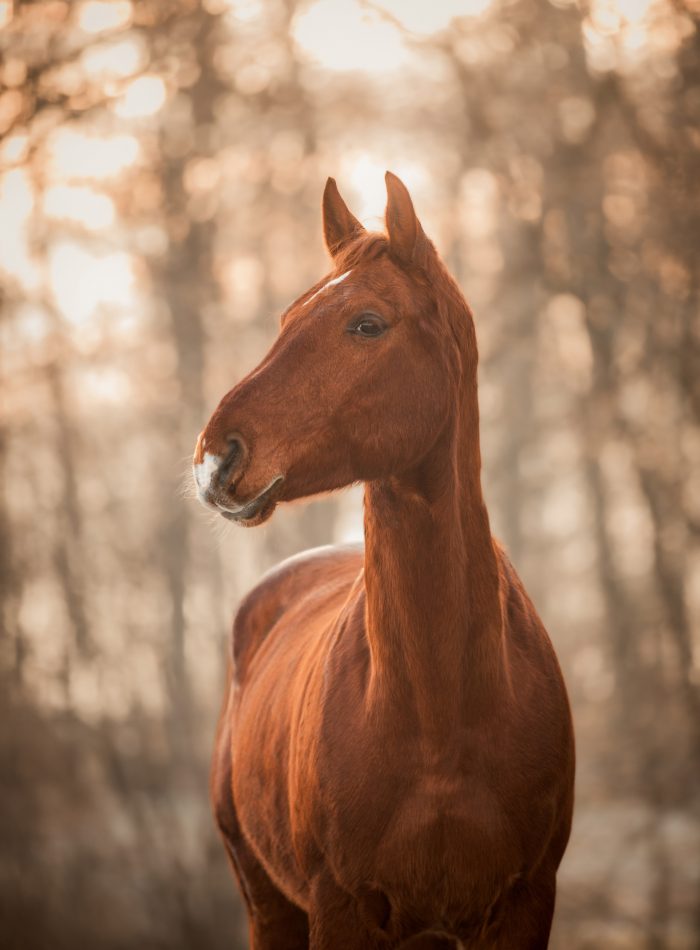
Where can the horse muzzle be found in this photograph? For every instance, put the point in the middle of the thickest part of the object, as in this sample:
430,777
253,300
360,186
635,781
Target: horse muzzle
217,476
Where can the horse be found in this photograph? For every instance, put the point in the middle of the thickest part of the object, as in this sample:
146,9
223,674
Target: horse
394,759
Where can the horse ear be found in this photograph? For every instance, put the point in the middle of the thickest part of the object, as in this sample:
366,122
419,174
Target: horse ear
339,224
407,240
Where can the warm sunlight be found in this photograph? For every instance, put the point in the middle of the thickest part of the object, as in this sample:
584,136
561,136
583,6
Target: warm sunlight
344,35
425,18
625,31
13,148
85,206
143,97
117,59
379,37
365,172
72,154
16,206
82,280
611,15
97,17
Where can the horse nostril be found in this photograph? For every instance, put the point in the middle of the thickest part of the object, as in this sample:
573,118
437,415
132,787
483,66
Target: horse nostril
233,460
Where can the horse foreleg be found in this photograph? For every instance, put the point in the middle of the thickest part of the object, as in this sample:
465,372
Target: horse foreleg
528,919
274,922
337,921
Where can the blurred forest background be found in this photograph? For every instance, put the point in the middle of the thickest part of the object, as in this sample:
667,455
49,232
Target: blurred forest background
161,168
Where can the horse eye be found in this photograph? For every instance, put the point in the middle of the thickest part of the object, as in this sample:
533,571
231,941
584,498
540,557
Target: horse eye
368,325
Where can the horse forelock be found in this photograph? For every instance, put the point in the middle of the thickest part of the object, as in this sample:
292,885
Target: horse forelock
366,247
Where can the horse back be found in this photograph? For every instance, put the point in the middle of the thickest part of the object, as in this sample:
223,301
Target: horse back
281,589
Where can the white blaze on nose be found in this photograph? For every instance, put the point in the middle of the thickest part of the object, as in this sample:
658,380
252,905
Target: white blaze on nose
331,283
204,470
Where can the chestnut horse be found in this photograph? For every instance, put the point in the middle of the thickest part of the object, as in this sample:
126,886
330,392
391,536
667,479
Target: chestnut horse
394,761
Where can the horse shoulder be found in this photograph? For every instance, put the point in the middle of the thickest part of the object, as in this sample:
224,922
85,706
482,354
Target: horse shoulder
278,590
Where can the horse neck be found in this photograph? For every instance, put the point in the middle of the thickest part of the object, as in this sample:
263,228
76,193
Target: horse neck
433,617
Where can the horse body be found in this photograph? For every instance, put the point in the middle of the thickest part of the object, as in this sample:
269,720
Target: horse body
395,755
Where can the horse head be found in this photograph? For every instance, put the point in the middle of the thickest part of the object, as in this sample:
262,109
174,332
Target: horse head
359,383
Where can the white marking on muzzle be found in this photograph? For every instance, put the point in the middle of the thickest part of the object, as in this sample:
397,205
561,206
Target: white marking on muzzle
205,470
331,283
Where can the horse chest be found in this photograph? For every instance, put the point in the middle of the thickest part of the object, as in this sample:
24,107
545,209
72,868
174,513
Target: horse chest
435,848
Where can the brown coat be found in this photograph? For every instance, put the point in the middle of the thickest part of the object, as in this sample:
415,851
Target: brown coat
394,762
